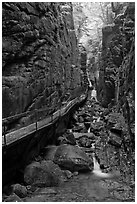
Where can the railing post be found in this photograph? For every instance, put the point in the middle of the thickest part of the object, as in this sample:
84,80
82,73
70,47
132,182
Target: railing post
5,143
51,117
60,109
36,118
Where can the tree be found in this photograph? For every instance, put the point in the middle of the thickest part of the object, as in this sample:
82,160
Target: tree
89,18
79,19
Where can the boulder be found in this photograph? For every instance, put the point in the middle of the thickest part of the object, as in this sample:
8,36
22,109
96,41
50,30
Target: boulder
72,158
68,174
75,173
81,119
97,126
79,127
85,141
88,151
116,120
42,174
13,198
19,190
67,138
78,135
114,140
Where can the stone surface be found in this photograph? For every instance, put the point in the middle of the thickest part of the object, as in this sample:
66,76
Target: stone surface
78,135
13,198
96,127
19,190
67,138
40,56
114,140
85,141
72,158
45,191
44,173
68,174
117,68
79,127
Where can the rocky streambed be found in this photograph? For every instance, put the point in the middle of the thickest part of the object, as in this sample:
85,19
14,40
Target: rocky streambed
90,162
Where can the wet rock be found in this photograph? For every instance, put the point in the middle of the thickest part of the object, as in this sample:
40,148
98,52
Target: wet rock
114,140
45,191
91,135
75,173
102,166
72,158
83,114
68,174
115,120
96,127
67,138
13,198
81,119
42,174
19,190
85,141
79,127
88,150
31,188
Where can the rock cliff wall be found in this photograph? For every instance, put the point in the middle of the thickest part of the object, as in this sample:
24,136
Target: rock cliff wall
117,73
117,54
40,55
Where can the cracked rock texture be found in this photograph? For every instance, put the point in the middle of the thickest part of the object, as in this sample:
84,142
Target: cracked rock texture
117,74
40,55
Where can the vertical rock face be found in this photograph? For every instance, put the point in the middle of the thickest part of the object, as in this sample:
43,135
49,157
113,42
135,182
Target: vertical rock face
83,64
117,77
117,51
40,55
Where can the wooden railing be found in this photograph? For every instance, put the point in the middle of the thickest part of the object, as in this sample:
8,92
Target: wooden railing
51,118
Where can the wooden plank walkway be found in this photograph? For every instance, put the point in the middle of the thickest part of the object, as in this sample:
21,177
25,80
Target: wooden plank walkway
25,131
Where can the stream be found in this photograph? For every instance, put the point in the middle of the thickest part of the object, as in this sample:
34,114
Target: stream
112,179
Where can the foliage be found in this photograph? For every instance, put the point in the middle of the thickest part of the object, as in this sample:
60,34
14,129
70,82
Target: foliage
89,18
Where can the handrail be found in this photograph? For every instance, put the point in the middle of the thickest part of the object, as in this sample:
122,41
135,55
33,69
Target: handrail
16,116
7,119
54,116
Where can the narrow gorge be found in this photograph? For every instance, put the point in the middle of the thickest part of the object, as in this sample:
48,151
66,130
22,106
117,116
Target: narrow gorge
68,101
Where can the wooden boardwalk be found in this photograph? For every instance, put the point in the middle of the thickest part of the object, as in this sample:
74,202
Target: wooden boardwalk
25,131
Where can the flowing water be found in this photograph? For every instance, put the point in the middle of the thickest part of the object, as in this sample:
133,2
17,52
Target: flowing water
96,186
84,187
